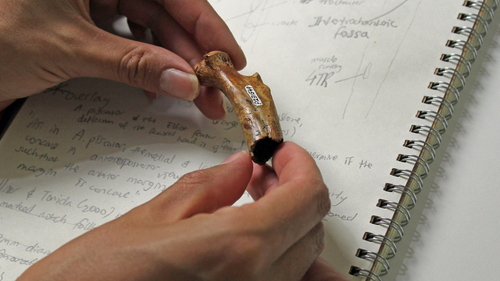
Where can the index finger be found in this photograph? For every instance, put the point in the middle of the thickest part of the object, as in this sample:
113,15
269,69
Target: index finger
211,33
299,201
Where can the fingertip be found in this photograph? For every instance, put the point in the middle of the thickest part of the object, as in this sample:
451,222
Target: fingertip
223,107
239,59
240,154
293,158
235,173
287,150
241,165
211,103
263,180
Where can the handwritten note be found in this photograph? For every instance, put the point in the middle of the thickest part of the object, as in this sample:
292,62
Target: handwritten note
347,78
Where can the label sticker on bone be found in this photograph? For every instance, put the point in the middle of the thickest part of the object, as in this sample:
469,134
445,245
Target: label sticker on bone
253,95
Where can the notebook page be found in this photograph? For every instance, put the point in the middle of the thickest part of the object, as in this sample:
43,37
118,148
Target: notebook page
347,78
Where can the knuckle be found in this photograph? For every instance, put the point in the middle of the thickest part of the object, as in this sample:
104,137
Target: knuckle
322,197
247,254
133,66
320,238
197,178
248,247
317,194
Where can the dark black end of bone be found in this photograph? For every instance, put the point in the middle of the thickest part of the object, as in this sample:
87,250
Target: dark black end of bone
264,149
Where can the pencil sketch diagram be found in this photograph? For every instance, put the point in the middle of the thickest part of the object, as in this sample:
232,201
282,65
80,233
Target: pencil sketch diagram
323,21
396,53
365,65
255,18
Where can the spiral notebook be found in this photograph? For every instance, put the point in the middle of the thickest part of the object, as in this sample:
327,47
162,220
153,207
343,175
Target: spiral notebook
367,87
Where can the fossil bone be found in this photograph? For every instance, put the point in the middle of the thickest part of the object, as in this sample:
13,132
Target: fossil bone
250,98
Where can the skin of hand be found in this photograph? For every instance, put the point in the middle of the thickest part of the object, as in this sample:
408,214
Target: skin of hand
48,42
191,232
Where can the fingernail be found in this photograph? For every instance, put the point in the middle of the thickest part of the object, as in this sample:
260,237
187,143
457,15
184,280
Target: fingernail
234,157
179,84
243,52
244,56
223,108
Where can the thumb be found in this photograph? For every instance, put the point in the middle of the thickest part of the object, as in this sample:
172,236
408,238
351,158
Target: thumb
142,65
204,191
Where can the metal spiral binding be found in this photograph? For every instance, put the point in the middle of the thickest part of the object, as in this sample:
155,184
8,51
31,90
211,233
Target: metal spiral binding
482,5
440,101
428,130
469,31
473,18
426,148
443,71
422,146
458,59
414,159
389,187
409,175
440,85
396,207
436,116
369,255
391,224
465,46
381,239
365,273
